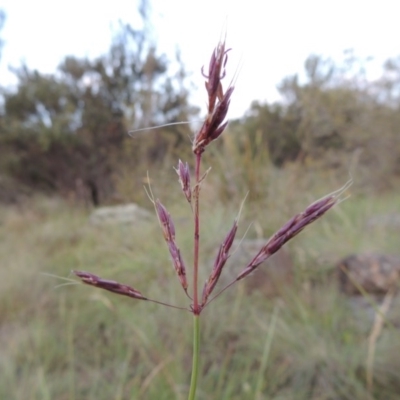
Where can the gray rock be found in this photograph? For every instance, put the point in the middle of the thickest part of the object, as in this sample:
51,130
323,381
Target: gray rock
391,221
270,277
375,273
122,214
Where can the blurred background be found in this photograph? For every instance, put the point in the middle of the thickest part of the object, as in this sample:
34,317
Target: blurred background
314,87
316,102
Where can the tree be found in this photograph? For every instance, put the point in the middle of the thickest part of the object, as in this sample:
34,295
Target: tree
70,127
333,117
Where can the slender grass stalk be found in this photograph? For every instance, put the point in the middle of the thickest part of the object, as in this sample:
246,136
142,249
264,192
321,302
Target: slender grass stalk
71,355
374,335
196,196
196,357
124,369
43,386
265,356
196,308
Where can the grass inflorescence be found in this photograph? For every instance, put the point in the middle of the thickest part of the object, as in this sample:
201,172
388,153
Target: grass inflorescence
212,128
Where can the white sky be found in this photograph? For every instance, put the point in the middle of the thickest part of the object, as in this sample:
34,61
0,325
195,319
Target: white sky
270,38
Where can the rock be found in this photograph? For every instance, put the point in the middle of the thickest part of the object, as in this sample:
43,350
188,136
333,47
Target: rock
389,221
269,278
123,214
375,273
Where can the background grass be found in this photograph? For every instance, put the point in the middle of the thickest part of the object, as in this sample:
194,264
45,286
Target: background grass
75,342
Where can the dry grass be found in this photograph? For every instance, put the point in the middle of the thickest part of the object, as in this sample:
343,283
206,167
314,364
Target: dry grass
75,343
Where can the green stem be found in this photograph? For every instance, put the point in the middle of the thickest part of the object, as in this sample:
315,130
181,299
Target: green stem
196,351
196,195
264,359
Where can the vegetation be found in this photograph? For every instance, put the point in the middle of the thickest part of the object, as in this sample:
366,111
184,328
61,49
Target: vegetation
67,342
66,132
335,119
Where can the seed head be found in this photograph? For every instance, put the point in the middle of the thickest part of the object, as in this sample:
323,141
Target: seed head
111,286
292,228
222,257
218,101
169,236
184,179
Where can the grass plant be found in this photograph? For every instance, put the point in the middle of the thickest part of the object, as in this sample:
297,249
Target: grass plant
66,342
